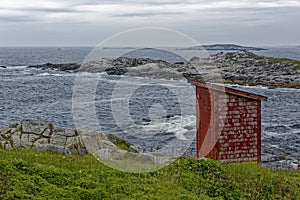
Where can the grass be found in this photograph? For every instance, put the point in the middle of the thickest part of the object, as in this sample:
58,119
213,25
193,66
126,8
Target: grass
30,174
270,60
285,60
122,144
265,83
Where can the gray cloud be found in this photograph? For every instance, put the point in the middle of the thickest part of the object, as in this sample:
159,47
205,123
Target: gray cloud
214,20
132,2
147,14
13,19
52,10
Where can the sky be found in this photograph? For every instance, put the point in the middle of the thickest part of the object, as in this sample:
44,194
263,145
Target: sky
88,22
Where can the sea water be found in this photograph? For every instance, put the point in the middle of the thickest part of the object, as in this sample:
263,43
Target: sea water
29,93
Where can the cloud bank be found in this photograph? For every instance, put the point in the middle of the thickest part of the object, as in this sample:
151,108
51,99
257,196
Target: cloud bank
88,22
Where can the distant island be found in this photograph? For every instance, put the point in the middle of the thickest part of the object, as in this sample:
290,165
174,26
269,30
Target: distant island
224,47
118,47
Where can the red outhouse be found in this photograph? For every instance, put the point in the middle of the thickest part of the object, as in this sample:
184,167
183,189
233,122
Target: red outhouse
228,123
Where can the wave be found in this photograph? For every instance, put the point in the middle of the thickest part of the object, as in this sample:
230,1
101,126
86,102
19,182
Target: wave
15,67
48,74
246,86
55,74
178,125
90,74
261,87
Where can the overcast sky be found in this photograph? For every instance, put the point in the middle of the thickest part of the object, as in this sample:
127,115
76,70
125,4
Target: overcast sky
88,22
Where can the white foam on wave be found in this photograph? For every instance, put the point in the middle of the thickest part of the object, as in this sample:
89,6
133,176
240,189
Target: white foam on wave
262,87
44,74
89,74
55,74
111,100
246,86
295,131
179,125
275,134
15,67
125,80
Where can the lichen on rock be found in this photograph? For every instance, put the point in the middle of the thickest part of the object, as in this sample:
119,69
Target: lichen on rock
42,135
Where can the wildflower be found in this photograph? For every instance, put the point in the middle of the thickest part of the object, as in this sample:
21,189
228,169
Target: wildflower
80,171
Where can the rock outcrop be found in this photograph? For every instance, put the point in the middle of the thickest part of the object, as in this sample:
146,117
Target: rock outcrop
244,67
241,67
61,67
41,135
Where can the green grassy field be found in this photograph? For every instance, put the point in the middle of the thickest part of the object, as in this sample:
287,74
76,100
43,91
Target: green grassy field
30,174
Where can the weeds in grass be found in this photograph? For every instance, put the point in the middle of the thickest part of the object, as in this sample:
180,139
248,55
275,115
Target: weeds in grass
30,174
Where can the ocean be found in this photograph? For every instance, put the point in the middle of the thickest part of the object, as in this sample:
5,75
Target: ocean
29,93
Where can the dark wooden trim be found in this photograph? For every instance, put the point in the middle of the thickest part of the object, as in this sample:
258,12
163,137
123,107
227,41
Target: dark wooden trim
229,90
259,132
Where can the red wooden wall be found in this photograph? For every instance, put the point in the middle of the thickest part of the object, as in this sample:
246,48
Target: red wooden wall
228,124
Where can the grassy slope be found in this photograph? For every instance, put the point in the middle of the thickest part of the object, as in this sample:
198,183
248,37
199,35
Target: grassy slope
29,174
271,60
285,60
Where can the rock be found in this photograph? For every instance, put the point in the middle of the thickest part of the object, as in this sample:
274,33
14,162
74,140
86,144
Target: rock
110,154
94,141
61,67
116,71
54,148
58,139
168,116
37,127
243,67
119,142
27,140
75,146
66,132
6,141
15,125
240,67
159,159
42,135
122,155
146,120
134,148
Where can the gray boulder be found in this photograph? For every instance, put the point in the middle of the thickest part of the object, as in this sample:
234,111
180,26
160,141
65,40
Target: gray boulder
54,148
43,136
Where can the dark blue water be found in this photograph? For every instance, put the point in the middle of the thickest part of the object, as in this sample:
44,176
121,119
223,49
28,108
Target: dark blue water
47,95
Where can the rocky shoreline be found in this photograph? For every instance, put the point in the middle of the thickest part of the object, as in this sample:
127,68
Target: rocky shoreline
249,68
241,67
43,136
